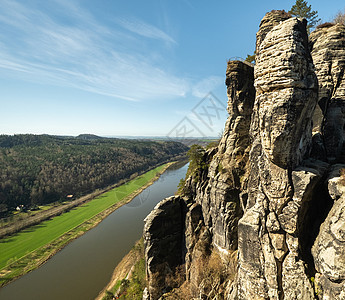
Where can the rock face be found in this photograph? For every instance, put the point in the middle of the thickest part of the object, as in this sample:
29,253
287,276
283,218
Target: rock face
213,208
329,247
163,242
286,88
220,197
328,51
286,95
261,193
270,20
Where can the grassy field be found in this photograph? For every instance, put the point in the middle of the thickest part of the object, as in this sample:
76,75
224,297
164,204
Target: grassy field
17,246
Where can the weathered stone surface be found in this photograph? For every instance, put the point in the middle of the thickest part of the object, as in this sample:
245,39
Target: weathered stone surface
219,195
336,186
251,258
272,261
286,95
304,179
327,46
197,241
270,20
263,189
329,247
163,232
295,282
286,88
327,289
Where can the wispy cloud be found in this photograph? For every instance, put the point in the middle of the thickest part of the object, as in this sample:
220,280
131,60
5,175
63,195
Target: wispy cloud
36,45
206,85
141,28
189,4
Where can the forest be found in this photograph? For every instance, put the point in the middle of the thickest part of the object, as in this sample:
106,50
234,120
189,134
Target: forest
41,169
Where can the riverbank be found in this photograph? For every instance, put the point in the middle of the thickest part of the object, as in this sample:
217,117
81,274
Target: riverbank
123,273
39,255
27,219
122,276
22,220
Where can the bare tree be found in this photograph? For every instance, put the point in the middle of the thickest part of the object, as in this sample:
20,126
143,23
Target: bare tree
340,17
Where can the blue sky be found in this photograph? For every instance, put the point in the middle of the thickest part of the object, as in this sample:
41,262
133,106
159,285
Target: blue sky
115,67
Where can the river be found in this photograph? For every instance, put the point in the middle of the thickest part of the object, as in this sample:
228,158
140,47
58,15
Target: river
84,267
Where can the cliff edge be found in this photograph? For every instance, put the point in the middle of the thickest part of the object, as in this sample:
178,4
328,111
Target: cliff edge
264,215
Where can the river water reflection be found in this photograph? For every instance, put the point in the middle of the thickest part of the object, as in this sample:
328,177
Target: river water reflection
84,267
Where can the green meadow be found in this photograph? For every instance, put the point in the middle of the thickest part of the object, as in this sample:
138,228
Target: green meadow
19,245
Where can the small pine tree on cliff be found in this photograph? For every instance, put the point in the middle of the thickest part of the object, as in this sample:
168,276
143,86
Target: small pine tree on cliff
250,58
301,9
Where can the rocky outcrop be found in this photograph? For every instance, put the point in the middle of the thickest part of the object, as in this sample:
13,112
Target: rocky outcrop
327,46
286,88
220,197
270,20
163,233
213,207
270,190
286,95
329,247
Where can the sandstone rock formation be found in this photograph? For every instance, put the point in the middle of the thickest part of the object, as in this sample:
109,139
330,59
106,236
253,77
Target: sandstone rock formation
286,95
213,208
270,20
329,247
270,193
163,242
328,51
220,199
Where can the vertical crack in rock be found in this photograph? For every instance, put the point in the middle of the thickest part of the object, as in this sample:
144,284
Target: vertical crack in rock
163,236
280,279
327,46
313,213
286,95
211,210
329,247
262,190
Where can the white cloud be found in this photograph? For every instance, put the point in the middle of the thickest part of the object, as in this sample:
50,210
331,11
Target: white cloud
144,29
203,87
36,46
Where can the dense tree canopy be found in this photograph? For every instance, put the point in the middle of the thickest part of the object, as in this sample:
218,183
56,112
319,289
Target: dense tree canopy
39,169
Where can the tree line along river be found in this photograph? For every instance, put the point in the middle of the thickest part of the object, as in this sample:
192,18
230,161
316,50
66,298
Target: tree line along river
84,267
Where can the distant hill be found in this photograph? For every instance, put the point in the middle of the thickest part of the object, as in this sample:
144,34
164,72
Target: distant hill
88,136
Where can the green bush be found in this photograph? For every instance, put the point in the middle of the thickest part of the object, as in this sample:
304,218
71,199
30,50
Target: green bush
197,164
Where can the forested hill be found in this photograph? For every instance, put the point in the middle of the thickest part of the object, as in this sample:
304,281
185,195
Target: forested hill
39,169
